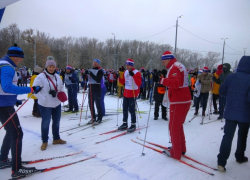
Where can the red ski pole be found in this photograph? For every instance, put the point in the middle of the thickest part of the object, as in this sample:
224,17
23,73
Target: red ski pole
15,112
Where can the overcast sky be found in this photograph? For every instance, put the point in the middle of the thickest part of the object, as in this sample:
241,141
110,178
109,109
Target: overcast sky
138,19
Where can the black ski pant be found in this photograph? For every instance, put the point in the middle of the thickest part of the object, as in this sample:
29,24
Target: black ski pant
215,97
111,87
129,105
163,109
13,137
36,110
203,97
95,97
226,143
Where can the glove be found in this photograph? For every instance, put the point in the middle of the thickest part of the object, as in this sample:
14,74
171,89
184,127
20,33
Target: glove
131,73
18,102
36,89
194,86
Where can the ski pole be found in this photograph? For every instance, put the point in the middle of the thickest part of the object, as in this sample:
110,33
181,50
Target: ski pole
91,104
87,109
16,112
83,101
147,124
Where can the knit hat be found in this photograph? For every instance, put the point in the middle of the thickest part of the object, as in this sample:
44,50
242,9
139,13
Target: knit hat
38,69
15,51
50,62
167,56
205,69
130,62
97,60
69,67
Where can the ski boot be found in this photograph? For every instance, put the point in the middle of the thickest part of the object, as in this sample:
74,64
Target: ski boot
131,128
123,127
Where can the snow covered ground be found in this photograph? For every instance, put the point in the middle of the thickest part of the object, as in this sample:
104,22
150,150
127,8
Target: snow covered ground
120,158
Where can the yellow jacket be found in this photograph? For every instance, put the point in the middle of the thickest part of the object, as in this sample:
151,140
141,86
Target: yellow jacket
121,77
215,85
31,83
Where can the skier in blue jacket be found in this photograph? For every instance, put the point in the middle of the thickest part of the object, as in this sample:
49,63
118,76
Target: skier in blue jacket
8,98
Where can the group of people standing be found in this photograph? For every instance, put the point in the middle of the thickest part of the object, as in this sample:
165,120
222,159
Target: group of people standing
172,85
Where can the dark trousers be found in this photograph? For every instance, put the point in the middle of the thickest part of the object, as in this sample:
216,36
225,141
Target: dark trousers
47,113
95,97
163,109
111,87
129,105
24,82
19,82
36,110
203,97
226,143
149,89
13,137
72,99
215,97
222,103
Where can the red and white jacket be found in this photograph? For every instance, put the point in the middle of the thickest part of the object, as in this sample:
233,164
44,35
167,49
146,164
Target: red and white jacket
177,82
111,77
132,83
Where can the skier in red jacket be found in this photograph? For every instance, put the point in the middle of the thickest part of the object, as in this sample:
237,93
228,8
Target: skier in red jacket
180,99
132,80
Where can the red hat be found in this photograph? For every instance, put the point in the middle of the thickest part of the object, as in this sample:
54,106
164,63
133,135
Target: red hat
205,69
167,56
69,67
130,62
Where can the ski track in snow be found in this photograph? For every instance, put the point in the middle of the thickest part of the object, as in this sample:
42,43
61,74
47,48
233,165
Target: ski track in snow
120,158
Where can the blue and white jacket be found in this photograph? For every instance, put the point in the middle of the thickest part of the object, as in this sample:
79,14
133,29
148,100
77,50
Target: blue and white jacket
8,83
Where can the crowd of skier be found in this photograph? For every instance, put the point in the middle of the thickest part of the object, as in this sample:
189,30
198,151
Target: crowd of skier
175,88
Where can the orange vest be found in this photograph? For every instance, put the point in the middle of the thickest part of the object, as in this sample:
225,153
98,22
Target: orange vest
192,82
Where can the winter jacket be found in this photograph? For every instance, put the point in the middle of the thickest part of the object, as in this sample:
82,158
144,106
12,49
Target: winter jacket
95,87
215,85
158,96
8,83
177,83
31,85
120,76
197,89
112,77
130,83
236,88
193,81
44,98
71,80
206,81
223,75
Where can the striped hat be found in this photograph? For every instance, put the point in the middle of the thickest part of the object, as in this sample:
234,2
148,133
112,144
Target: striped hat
130,62
167,56
69,67
15,51
205,69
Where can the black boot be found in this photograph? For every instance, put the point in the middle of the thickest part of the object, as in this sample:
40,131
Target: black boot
203,113
5,164
196,113
69,110
155,118
23,172
123,127
165,118
132,128
245,159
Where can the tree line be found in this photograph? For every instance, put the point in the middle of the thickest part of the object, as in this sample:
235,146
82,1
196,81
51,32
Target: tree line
80,52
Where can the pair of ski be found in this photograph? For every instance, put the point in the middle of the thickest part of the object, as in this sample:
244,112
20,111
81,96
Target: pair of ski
187,157
202,120
77,118
119,135
88,126
80,126
55,167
